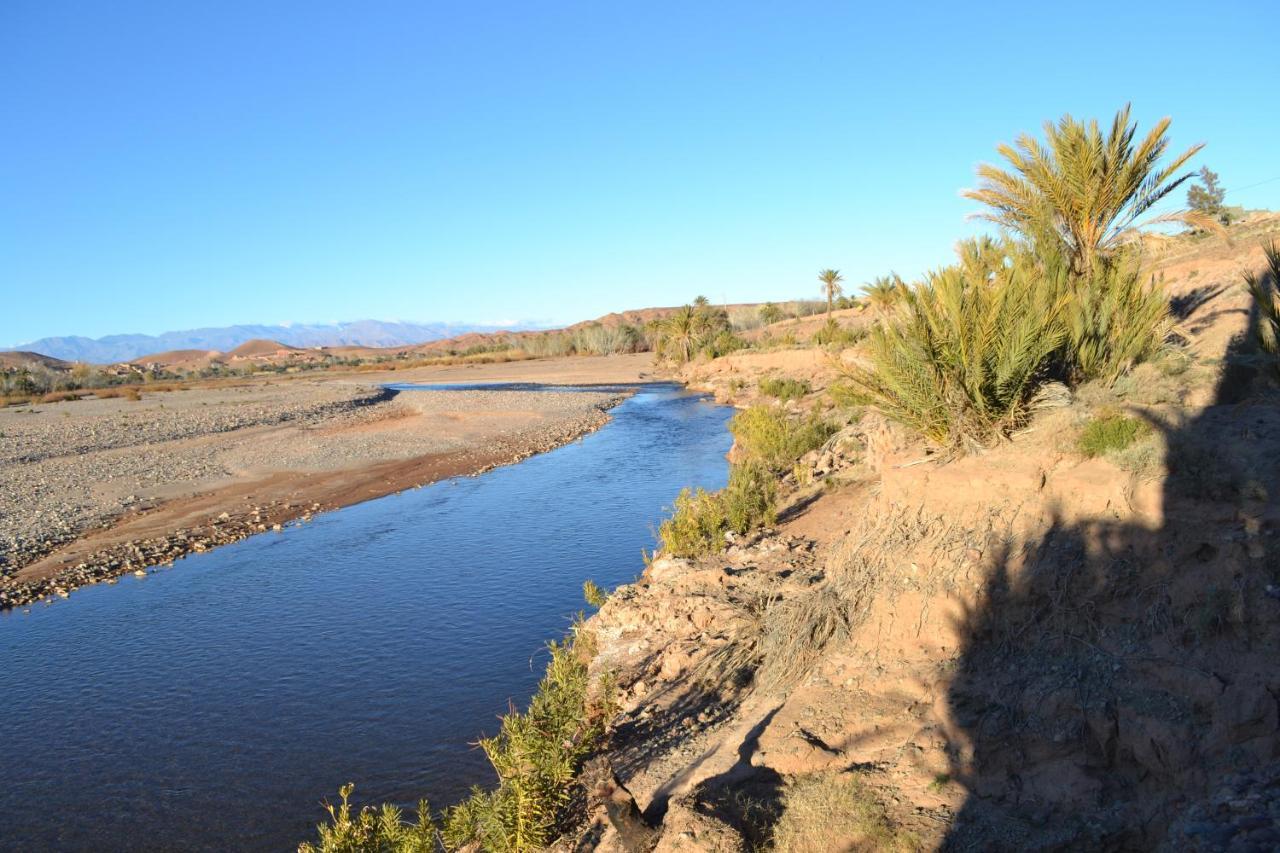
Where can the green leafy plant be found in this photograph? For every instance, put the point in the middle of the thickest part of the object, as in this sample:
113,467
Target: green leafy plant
831,333
1110,432
783,388
884,292
770,313
1113,320
962,364
769,435
372,830
696,526
593,593
831,280
536,754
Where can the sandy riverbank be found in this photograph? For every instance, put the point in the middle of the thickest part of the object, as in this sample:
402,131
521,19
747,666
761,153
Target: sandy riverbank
94,489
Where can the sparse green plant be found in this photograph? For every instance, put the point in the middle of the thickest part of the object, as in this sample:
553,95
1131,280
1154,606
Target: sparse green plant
768,434
700,519
372,830
696,526
962,364
1110,432
750,497
593,593
1207,197
831,333
536,754
783,388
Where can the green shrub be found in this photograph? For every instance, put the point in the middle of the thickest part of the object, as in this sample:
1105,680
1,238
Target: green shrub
750,497
962,363
1108,433
536,754
783,388
767,434
1113,321
701,519
372,830
697,525
833,334
593,593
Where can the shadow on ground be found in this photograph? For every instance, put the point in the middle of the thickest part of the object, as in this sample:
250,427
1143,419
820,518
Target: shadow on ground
1118,685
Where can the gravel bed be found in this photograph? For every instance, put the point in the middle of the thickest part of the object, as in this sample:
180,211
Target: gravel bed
71,467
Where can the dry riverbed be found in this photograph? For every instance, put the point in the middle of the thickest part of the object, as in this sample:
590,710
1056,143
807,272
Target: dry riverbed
93,489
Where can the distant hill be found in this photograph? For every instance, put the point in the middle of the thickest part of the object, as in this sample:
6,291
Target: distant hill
361,333
20,359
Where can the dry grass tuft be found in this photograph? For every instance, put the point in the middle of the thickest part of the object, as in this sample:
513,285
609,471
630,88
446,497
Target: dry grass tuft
835,811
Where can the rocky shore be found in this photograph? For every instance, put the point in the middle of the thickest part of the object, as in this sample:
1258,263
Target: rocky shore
96,489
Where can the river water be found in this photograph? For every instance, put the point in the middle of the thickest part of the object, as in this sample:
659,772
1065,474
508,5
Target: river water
214,705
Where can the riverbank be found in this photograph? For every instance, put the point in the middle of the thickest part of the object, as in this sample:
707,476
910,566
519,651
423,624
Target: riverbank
1037,646
98,488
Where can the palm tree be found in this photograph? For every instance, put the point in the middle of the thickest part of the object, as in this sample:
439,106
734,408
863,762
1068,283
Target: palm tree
680,331
884,291
830,286
1085,190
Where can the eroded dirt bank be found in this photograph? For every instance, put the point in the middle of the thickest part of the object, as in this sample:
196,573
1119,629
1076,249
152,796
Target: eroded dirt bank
93,489
1024,649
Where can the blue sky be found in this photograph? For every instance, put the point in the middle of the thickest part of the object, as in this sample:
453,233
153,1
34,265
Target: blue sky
168,165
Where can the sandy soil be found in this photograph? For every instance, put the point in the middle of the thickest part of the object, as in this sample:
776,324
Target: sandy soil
574,370
96,488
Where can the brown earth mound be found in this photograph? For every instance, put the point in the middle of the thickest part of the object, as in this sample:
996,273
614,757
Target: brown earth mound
259,347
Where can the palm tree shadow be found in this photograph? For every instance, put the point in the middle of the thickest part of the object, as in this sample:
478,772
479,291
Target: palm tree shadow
1113,678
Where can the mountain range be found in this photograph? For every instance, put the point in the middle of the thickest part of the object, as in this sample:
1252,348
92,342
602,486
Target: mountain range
369,333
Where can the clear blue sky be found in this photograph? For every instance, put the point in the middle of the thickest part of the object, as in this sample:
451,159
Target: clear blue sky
176,164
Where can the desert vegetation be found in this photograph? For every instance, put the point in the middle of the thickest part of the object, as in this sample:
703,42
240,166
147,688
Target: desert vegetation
536,756
1061,298
768,441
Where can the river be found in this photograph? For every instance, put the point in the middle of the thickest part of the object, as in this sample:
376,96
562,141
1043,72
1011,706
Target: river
214,705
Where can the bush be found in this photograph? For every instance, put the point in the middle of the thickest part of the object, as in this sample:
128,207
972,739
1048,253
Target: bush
750,497
1113,321
783,388
767,434
700,520
373,830
697,525
1109,432
963,362
536,754
833,334
593,593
